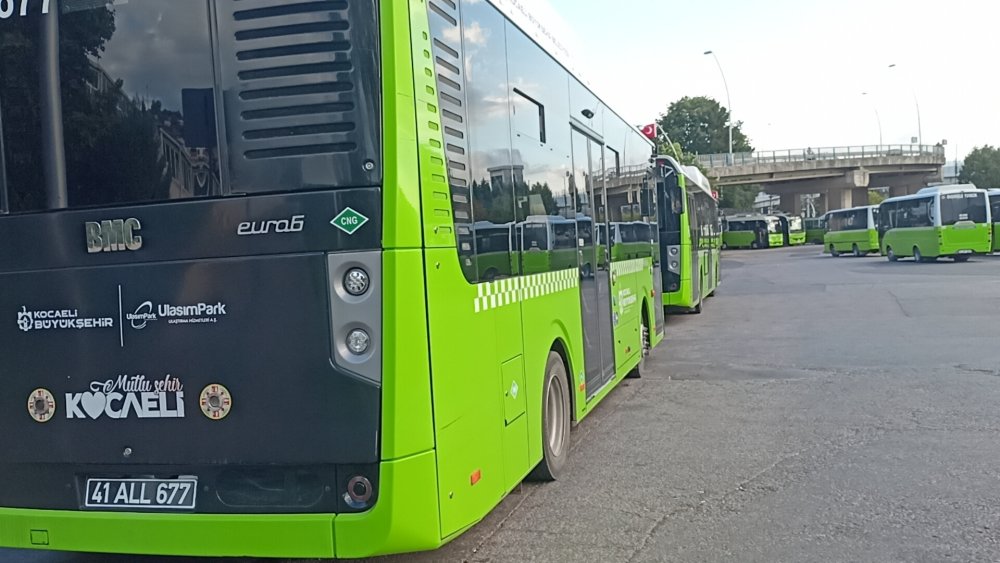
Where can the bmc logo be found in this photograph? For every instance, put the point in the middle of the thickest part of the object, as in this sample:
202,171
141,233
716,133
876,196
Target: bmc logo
113,236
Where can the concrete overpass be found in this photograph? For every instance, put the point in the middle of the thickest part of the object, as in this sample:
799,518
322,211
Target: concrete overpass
840,175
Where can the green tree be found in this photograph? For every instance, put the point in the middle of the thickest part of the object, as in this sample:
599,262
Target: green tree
982,167
698,125
738,197
875,197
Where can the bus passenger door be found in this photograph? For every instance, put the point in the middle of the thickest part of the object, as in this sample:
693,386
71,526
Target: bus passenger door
595,284
694,229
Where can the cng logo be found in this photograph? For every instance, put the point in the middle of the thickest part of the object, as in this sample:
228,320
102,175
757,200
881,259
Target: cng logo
349,221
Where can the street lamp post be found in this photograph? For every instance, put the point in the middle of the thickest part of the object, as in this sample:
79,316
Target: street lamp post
920,136
877,120
729,103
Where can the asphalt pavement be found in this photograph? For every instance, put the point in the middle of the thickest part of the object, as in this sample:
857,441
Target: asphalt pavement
819,409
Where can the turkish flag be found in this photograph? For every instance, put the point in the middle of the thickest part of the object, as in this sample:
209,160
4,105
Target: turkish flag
649,131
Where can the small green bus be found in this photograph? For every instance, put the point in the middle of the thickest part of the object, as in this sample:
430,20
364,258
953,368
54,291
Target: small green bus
852,230
952,221
495,247
815,229
752,231
690,236
995,215
792,231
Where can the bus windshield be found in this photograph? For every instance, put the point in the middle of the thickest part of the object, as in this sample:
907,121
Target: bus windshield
795,224
133,106
965,206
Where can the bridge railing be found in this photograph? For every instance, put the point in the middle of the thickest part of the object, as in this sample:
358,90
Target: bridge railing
818,153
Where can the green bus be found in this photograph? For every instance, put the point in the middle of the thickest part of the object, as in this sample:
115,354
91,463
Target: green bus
495,246
752,231
815,229
792,231
852,230
549,243
951,221
254,316
690,235
995,215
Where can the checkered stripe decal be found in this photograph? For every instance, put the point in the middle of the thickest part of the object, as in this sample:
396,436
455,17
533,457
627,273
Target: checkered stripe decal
493,295
628,267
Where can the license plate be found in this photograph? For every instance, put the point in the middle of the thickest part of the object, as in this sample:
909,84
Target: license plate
965,252
145,494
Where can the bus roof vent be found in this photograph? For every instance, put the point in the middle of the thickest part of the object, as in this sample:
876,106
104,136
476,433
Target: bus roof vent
301,86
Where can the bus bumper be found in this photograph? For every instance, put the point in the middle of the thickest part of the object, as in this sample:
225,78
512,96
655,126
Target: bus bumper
404,519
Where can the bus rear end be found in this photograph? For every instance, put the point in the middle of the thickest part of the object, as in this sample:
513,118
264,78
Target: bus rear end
965,223
190,280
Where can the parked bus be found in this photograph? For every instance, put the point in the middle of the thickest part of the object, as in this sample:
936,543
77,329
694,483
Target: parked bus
752,231
792,231
995,215
690,235
235,267
815,229
951,221
495,245
852,230
549,242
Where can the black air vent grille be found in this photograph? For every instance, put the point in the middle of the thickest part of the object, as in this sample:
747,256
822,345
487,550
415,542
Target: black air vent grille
301,82
447,51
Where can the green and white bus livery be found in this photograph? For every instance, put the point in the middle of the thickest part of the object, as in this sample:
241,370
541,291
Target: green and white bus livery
851,230
235,266
752,231
792,231
951,221
815,229
690,235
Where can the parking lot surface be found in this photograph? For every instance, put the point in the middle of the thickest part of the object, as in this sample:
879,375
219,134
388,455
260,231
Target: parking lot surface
819,409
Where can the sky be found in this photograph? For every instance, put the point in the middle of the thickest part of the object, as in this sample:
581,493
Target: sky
797,69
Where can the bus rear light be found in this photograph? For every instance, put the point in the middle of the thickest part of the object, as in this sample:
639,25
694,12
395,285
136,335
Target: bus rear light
475,477
358,341
356,282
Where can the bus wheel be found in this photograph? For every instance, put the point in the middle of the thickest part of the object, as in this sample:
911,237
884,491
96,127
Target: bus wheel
891,254
647,346
754,245
833,251
555,421
961,258
855,251
696,310
725,246
917,256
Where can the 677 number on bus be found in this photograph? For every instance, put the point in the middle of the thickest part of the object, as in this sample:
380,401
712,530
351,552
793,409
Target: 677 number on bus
7,7
149,494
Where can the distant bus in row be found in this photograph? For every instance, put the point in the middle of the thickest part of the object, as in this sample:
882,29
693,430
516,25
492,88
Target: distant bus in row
954,221
852,230
941,221
763,231
691,235
815,229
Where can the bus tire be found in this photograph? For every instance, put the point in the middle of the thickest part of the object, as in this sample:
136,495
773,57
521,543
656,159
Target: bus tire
754,245
890,254
961,258
696,310
917,256
555,421
725,246
833,251
855,251
645,343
